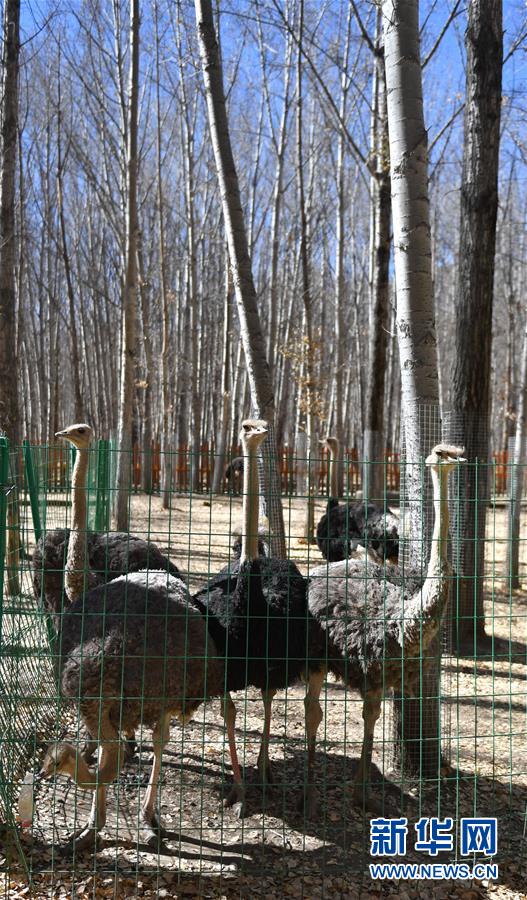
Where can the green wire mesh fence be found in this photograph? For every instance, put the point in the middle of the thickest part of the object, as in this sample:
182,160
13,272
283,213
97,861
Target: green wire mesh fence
278,848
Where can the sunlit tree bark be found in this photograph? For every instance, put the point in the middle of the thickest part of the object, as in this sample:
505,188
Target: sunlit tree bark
256,361
416,722
129,307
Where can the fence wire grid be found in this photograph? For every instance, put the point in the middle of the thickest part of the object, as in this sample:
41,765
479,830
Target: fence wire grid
279,847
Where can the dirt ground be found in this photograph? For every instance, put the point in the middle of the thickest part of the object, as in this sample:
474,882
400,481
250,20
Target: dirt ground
274,852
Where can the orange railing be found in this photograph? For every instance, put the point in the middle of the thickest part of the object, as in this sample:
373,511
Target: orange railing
183,469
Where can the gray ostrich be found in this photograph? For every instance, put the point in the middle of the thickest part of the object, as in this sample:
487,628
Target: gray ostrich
133,651
345,525
106,556
67,563
378,625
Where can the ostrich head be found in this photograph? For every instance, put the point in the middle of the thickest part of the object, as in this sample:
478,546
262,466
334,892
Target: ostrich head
253,433
444,457
80,435
263,546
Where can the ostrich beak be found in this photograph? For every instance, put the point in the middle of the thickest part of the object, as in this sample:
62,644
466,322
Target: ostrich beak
60,433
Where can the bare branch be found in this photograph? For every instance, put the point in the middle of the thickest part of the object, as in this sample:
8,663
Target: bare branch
453,13
324,88
362,28
445,127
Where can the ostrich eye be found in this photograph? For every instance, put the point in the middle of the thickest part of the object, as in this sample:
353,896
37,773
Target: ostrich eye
81,430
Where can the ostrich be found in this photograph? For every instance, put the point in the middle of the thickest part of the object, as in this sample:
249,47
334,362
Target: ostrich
55,571
344,526
236,548
133,651
257,615
234,472
71,562
378,626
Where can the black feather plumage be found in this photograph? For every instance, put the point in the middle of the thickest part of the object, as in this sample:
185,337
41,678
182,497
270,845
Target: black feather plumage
257,616
109,556
346,525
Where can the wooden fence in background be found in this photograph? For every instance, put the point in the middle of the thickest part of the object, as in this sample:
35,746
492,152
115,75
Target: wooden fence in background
58,462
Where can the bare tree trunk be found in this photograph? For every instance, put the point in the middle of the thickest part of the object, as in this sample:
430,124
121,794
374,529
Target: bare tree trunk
308,375
192,286
129,313
474,300
340,243
280,147
75,367
517,477
374,432
219,462
9,406
166,449
416,722
147,386
250,328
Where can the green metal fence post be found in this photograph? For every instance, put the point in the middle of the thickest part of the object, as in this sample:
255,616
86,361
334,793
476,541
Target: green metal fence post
6,782
32,486
4,473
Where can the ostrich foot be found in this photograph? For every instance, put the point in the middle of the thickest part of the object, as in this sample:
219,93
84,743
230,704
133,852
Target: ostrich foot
235,800
154,831
86,838
308,802
153,822
265,771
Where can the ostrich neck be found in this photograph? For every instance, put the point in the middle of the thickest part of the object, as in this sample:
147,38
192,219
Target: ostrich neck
333,473
423,612
77,557
440,532
250,505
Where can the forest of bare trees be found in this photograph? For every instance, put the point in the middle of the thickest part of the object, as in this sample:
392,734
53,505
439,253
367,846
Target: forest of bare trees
309,218
319,245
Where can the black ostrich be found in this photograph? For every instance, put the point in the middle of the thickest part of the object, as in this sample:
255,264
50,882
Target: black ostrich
346,525
58,578
133,651
256,612
379,624
233,474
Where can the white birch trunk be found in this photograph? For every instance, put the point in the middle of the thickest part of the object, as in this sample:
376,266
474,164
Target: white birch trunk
416,722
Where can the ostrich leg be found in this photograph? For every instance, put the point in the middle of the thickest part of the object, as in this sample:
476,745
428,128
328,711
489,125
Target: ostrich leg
264,763
371,710
150,816
108,768
236,796
313,716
